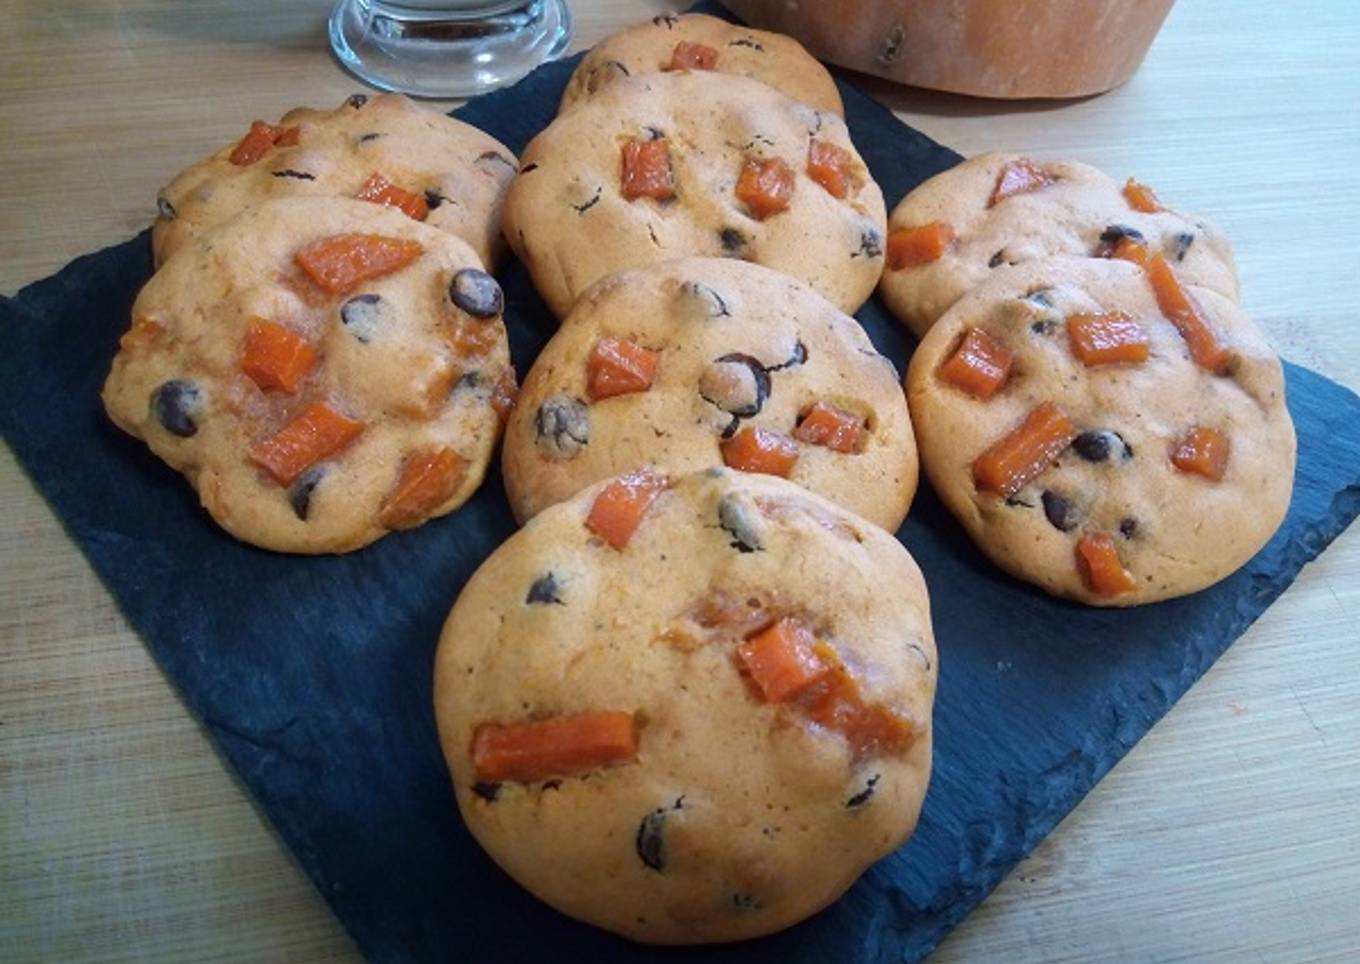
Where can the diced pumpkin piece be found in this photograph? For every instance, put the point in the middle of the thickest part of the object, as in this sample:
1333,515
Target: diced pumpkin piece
1127,249
913,247
475,336
835,703
647,170
380,190
561,746
274,357
1020,457
1018,177
316,433
1203,451
617,366
692,56
427,481
257,142
1099,565
979,366
760,450
1182,311
1140,197
830,166
342,261
832,428
143,334
765,187
504,393
620,506
1107,338
780,661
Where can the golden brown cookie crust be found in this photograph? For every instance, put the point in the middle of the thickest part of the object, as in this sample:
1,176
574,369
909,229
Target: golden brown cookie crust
738,818
771,58
696,312
1176,532
387,356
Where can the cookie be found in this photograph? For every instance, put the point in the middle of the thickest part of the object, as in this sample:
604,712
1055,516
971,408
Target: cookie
707,361
322,370
995,210
695,163
690,712
384,148
1103,430
695,41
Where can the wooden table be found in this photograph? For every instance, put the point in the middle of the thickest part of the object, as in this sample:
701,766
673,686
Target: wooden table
1231,833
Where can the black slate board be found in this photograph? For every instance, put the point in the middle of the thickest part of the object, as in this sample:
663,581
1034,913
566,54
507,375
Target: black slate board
314,675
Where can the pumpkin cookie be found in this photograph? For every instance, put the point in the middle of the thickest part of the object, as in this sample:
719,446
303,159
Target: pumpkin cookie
672,165
384,149
322,370
1104,430
695,41
703,361
690,710
995,210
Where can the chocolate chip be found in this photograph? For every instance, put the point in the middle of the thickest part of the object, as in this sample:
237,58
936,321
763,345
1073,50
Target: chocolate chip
1128,527
736,383
799,356
997,259
433,199
1097,446
741,522
357,100
173,404
1015,500
527,168
605,74
1044,326
361,316
586,206
667,20
496,157
1112,235
365,138
1058,511
487,791
545,591
861,798
651,842
1182,243
747,42
563,426
165,209
732,239
709,303
1041,296
745,902
477,293
870,244
892,45
300,495
297,175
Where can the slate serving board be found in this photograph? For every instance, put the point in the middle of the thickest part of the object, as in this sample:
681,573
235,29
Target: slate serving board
314,674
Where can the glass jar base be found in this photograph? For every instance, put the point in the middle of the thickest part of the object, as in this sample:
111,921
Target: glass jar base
448,49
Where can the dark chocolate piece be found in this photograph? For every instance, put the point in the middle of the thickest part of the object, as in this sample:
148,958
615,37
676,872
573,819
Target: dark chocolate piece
477,293
594,200
861,798
360,316
296,175
165,209
747,42
740,522
1112,235
300,495
732,239
545,591
487,791
357,100
173,404
1128,527
563,426
1059,511
741,398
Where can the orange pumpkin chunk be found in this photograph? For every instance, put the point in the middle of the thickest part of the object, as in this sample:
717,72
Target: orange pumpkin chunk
475,336
647,170
1107,338
765,187
316,433
504,393
1018,177
1203,451
1020,457
562,746
276,358
760,450
1141,198
780,661
618,509
1183,312
834,702
143,333
692,56
380,190
913,247
1127,249
342,261
1099,565
833,428
980,365
617,366
830,165
257,142
426,482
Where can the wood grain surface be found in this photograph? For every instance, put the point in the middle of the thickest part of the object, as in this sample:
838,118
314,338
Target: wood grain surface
1231,833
